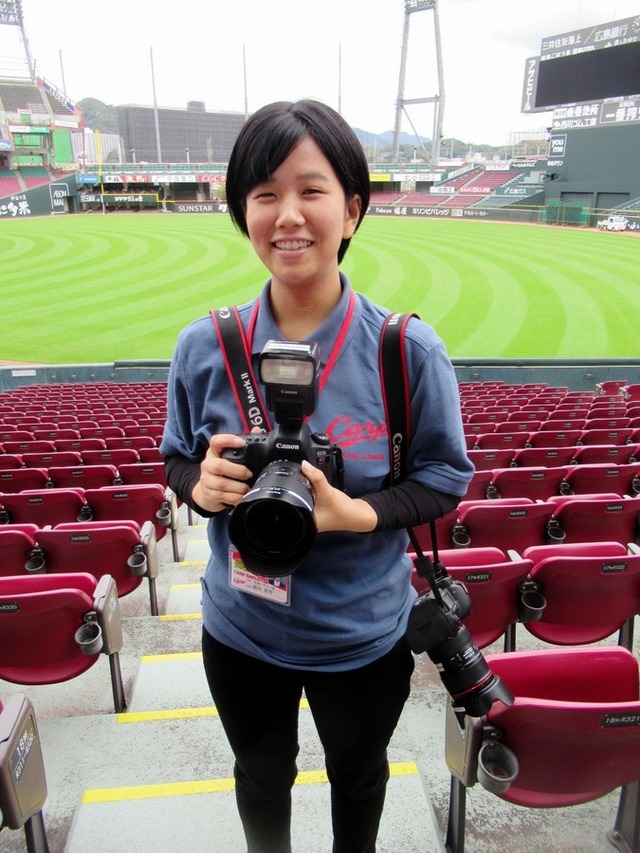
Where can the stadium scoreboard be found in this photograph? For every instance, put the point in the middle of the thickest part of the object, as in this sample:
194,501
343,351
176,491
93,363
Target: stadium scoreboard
589,77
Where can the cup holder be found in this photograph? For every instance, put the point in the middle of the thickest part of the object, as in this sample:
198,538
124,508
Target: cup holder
137,564
89,638
163,516
497,767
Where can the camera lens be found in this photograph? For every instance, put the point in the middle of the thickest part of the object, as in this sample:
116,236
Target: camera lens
466,675
273,526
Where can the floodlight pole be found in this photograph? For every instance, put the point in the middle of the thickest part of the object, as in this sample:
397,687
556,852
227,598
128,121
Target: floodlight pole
410,7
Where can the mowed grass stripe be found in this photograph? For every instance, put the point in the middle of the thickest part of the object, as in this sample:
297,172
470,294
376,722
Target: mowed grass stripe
102,288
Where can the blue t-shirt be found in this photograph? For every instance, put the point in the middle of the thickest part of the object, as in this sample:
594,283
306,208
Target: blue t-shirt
348,603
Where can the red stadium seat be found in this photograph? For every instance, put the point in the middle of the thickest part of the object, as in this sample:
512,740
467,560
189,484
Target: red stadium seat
562,742
140,503
14,480
121,549
604,477
507,524
549,457
493,581
16,544
537,483
43,506
84,476
54,628
487,460
597,518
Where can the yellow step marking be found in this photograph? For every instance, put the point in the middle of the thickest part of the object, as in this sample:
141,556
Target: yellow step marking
177,714
210,786
176,617
187,563
169,658
186,586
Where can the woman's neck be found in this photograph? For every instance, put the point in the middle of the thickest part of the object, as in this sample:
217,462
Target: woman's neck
299,313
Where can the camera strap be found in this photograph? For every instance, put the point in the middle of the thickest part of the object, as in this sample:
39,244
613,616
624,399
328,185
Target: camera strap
396,399
237,361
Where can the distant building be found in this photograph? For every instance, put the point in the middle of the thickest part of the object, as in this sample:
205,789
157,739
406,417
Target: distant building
191,135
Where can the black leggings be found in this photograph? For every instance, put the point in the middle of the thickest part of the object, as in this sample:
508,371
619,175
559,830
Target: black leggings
355,713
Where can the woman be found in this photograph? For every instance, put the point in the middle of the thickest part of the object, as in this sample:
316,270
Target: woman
298,187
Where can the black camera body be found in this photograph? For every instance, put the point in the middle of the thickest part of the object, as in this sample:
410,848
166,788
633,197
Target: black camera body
435,627
291,442
273,525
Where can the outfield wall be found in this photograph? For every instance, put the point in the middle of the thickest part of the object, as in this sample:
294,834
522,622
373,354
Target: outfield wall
576,375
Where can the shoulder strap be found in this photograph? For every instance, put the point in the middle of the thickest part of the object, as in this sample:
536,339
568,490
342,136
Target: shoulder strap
394,378
395,391
237,361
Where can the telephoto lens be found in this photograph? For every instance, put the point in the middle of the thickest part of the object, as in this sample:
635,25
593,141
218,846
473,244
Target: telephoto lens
466,675
273,526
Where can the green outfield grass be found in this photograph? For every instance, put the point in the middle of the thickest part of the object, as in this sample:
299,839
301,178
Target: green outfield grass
97,288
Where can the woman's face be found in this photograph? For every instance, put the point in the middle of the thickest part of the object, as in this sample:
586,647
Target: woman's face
297,220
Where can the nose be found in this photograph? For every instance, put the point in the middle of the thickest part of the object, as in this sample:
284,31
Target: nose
290,212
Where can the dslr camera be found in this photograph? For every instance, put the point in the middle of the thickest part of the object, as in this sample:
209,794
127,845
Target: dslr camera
273,526
435,627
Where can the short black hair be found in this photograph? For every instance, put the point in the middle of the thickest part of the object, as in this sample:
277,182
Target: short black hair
271,134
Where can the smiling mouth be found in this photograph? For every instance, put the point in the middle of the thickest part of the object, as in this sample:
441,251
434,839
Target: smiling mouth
292,245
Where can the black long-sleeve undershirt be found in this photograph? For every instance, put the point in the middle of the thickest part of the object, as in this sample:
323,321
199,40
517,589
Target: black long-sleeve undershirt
404,505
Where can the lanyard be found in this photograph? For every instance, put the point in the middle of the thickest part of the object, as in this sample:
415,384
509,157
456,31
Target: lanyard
236,348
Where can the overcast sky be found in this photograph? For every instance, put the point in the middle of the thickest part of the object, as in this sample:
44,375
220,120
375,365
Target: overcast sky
344,52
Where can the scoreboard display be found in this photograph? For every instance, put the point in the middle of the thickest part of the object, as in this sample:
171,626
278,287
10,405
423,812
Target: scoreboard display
588,77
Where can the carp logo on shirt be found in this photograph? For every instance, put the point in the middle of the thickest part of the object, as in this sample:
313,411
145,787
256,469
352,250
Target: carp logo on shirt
345,433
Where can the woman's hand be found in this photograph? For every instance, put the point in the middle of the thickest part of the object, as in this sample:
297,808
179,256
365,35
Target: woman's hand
222,483
334,510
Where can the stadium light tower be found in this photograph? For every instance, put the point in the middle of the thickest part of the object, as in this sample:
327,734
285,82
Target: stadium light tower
410,8
11,16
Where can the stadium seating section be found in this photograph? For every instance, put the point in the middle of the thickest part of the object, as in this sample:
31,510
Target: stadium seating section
546,541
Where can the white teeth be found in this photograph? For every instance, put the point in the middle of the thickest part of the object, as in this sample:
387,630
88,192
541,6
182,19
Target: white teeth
292,245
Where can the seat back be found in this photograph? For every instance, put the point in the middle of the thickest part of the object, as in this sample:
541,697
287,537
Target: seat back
16,543
39,616
492,581
537,483
589,518
604,477
13,480
85,476
143,472
138,503
568,726
99,548
43,507
588,598
507,523
572,728
549,457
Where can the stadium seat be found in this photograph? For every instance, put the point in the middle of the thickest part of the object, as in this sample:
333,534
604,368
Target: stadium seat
13,480
478,485
630,393
603,477
555,438
537,483
592,590
84,476
549,457
501,440
23,783
143,472
606,436
610,387
140,503
607,422
51,458
43,507
122,549
114,456
10,461
508,524
593,454
54,628
16,543
596,518
565,739
493,581
487,460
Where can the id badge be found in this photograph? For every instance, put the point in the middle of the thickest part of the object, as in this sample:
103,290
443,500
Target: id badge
276,590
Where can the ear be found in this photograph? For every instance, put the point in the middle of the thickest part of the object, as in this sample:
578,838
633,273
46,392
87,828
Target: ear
351,217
